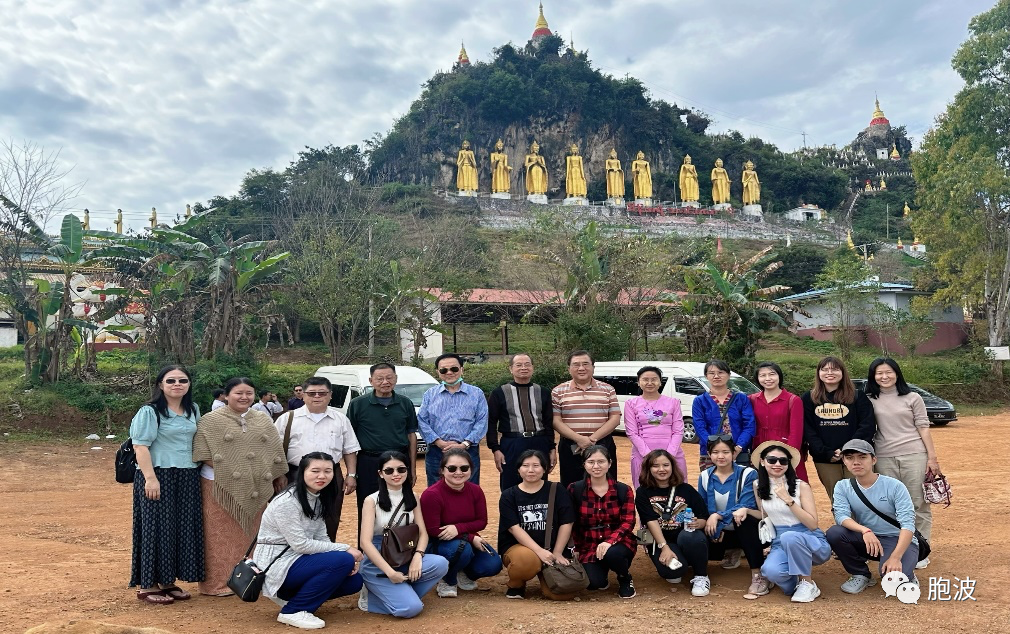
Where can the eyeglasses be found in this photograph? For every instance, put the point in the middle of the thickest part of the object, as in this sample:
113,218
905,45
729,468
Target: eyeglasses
596,463
463,468
298,389
392,470
726,437
782,460
174,381
454,369
317,394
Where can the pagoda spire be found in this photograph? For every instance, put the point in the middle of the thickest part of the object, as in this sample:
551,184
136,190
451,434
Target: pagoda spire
462,60
541,29
878,114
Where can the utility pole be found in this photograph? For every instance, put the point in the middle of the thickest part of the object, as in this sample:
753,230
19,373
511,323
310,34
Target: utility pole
371,300
887,220
804,140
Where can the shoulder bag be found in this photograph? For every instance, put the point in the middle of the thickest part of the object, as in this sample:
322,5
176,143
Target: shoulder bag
766,530
246,580
126,457
923,544
399,542
936,489
561,579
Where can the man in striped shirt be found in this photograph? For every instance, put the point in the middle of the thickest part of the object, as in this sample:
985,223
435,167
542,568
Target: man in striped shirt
586,413
452,415
521,412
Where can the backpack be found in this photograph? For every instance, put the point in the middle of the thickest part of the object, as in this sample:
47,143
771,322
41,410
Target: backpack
622,491
703,477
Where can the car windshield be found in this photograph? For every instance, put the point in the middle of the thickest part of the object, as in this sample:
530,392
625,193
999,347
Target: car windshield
413,391
737,383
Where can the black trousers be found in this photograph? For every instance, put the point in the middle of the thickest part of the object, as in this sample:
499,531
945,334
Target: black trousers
571,464
744,536
512,448
333,519
690,547
618,559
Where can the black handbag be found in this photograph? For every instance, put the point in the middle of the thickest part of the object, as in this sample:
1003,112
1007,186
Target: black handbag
126,462
923,544
561,579
246,580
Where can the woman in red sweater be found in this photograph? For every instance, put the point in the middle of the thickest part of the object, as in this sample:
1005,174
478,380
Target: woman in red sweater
779,413
455,510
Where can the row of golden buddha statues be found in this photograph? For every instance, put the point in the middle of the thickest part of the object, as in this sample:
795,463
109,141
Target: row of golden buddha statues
575,176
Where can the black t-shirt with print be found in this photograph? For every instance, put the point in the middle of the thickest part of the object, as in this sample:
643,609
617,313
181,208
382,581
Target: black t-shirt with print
529,512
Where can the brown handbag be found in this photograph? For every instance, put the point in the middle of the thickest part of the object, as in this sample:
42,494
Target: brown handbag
399,542
560,579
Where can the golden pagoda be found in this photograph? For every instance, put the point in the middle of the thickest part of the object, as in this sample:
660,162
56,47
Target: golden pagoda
541,30
894,153
849,242
878,115
462,60
900,245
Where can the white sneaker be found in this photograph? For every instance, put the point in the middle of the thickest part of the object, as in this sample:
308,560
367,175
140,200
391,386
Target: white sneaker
464,582
806,592
444,590
922,564
279,601
700,586
303,620
732,559
363,599
857,583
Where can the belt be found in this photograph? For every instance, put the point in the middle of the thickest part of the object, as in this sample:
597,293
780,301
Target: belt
376,454
526,434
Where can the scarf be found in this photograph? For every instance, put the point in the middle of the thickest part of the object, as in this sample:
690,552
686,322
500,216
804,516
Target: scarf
245,463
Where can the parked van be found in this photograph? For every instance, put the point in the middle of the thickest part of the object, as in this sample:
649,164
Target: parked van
351,381
683,380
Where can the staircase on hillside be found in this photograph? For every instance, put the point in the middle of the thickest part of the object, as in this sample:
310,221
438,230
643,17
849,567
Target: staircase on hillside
850,204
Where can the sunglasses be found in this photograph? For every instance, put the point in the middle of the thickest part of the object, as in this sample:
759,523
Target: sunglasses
726,437
392,470
317,394
462,468
454,369
174,381
782,460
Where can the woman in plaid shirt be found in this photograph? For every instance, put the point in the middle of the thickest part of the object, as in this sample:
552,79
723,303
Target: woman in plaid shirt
604,524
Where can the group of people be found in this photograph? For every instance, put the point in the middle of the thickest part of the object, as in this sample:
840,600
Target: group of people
207,485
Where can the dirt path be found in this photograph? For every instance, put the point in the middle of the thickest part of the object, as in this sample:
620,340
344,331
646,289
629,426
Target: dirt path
65,554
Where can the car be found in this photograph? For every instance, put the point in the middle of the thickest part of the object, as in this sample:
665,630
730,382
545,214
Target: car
688,382
939,411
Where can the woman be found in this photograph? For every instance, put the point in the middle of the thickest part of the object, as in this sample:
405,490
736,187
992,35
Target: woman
167,524
663,490
653,421
306,568
779,413
455,511
728,491
903,443
523,525
834,413
388,590
604,529
789,504
242,447
723,412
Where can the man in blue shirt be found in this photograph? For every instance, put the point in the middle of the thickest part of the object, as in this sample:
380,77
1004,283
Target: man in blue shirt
860,534
453,414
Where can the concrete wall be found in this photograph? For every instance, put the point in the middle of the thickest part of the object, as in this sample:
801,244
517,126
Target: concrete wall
948,336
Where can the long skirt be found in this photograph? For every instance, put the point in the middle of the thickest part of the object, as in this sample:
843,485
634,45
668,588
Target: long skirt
167,533
224,540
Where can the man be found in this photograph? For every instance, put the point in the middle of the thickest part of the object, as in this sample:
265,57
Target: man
268,404
586,412
318,427
859,533
521,412
296,401
383,421
453,414
220,400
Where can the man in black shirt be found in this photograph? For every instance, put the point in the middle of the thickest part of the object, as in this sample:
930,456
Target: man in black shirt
520,412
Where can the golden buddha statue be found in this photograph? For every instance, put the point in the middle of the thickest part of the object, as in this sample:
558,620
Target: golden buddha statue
689,191
641,176
751,185
720,183
615,176
536,171
906,210
86,225
575,176
154,217
466,169
500,170
119,221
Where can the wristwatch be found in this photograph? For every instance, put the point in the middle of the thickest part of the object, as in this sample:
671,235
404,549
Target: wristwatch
352,475
467,444
661,546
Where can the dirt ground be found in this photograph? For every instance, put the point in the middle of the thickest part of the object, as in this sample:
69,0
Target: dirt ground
65,554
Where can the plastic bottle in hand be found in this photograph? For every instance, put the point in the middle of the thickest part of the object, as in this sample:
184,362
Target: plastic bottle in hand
686,519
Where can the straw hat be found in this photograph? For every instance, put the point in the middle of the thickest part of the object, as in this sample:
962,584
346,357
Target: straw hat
794,454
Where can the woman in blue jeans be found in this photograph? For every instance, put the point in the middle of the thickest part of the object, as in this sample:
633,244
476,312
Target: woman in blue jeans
306,568
455,511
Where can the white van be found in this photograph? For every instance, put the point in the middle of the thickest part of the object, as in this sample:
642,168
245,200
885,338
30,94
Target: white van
683,380
351,381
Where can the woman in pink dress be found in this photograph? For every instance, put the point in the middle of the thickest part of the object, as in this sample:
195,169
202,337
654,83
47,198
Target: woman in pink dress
779,413
653,421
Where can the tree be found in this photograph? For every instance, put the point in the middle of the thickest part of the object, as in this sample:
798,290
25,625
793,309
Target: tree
963,173
848,282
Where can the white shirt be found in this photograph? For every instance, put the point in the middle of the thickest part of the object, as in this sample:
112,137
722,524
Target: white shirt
332,434
216,404
269,408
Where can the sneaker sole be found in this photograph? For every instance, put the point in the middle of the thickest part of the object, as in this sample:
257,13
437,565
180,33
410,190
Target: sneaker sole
872,583
630,597
816,594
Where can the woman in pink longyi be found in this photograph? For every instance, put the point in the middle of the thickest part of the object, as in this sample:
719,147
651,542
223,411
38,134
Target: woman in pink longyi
653,421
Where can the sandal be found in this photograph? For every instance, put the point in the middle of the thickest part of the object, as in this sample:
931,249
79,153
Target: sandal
155,597
177,593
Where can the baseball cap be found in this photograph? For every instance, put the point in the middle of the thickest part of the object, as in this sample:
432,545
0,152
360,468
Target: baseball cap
860,446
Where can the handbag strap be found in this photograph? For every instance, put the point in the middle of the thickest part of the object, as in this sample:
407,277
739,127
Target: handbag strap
887,518
550,515
669,500
287,433
392,518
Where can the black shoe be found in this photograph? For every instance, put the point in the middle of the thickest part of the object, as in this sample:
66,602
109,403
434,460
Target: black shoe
627,589
515,593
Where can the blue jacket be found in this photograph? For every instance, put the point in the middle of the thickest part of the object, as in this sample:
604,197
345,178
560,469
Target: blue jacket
742,480
707,421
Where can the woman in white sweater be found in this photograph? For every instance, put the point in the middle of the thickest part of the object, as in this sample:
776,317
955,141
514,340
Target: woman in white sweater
307,569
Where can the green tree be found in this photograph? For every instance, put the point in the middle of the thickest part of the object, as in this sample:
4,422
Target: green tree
850,286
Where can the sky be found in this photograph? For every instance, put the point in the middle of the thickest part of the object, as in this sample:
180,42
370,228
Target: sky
160,103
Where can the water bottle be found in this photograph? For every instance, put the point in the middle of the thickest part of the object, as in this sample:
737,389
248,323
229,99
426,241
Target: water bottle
686,520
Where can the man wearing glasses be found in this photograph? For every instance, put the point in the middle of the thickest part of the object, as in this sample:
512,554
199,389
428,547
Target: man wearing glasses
521,412
586,413
318,427
453,414
383,421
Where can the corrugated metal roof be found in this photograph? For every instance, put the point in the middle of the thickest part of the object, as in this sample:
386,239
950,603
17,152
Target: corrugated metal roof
868,285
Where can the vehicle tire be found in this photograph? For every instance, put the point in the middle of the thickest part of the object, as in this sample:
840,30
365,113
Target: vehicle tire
939,423
690,436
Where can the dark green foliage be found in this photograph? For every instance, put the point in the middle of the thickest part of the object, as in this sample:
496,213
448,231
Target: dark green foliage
597,329
801,264
881,214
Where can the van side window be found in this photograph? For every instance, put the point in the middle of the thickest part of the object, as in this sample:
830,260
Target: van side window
355,394
626,385
339,395
688,386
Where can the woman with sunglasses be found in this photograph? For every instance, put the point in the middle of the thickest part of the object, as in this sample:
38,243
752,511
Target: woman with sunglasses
724,411
778,412
834,412
455,511
306,568
788,503
167,520
653,421
728,491
388,590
